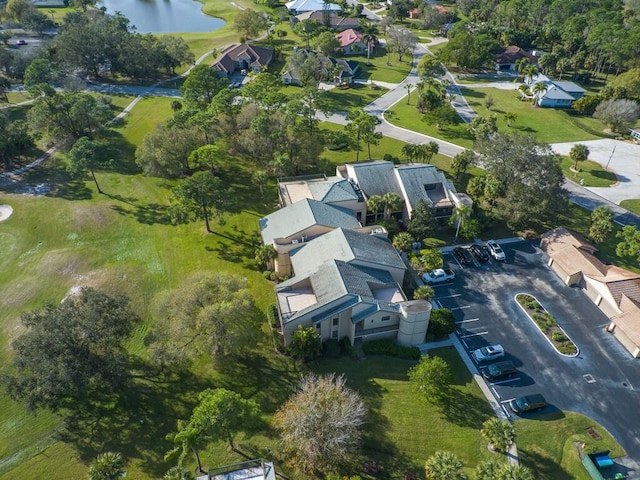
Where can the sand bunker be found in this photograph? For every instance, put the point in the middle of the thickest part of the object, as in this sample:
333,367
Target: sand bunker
5,212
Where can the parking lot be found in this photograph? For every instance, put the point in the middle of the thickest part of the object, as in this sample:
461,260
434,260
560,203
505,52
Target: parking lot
602,382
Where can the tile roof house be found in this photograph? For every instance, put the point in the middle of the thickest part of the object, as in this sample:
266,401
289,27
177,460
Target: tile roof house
335,70
345,285
506,58
300,6
413,182
292,226
336,22
614,290
351,42
240,56
335,191
560,94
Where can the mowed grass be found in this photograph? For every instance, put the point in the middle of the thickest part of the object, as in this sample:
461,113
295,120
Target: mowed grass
592,173
357,95
402,429
547,444
406,115
632,205
383,68
548,125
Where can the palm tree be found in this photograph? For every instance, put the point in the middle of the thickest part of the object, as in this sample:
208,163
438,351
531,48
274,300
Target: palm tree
444,466
107,466
525,91
392,202
370,37
529,72
510,117
420,87
538,90
408,88
431,149
409,150
265,255
375,204
460,215
187,439
177,473
499,433
578,153
521,64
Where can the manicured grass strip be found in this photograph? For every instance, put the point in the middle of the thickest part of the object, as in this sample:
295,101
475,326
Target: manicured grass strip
632,205
593,174
402,429
546,444
379,70
357,95
548,125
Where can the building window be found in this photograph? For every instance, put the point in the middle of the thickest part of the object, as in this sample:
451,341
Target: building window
334,334
386,318
335,322
359,216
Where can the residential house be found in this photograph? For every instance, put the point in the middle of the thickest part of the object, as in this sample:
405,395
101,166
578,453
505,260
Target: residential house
560,94
336,22
351,42
297,7
347,284
335,191
250,470
242,57
506,58
413,182
614,290
414,13
334,70
300,222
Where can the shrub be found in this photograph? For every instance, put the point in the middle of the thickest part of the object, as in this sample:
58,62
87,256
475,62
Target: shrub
272,315
558,336
388,346
441,322
568,348
267,275
331,348
532,305
273,276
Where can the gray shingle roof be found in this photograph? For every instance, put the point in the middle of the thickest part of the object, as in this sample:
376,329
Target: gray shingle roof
296,218
555,93
345,245
415,177
375,178
332,190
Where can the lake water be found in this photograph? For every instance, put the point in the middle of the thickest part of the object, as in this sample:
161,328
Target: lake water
164,16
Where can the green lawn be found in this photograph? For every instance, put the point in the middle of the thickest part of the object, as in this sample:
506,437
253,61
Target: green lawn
357,95
593,174
632,205
407,116
546,444
548,125
402,429
379,70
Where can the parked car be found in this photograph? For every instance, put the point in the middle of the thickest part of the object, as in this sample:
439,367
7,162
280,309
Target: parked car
461,255
439,275
496,250
235,85
488,354
527,403
498,370
479,253
21,42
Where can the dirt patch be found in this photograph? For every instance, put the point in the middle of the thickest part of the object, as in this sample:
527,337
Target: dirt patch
5,212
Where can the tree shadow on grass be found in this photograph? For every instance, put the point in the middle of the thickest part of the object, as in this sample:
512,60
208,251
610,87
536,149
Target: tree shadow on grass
136,422
542,466
238,247
118,153
464,409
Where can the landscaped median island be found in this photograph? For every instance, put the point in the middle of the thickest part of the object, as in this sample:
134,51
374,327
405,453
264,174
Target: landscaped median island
547,325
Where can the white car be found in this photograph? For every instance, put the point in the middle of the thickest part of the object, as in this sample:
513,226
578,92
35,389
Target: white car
488,354
439,275
496,250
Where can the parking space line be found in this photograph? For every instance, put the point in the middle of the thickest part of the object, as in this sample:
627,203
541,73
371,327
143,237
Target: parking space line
473,334
451,296
469,320
506,381
438,303
460,308
505,411
506,401
495,392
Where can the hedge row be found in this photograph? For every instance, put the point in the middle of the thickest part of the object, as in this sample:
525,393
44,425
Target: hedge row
388,346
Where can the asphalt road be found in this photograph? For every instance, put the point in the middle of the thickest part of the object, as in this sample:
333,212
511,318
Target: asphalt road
482,298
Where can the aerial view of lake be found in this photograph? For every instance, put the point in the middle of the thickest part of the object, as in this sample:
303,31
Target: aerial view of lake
164,16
